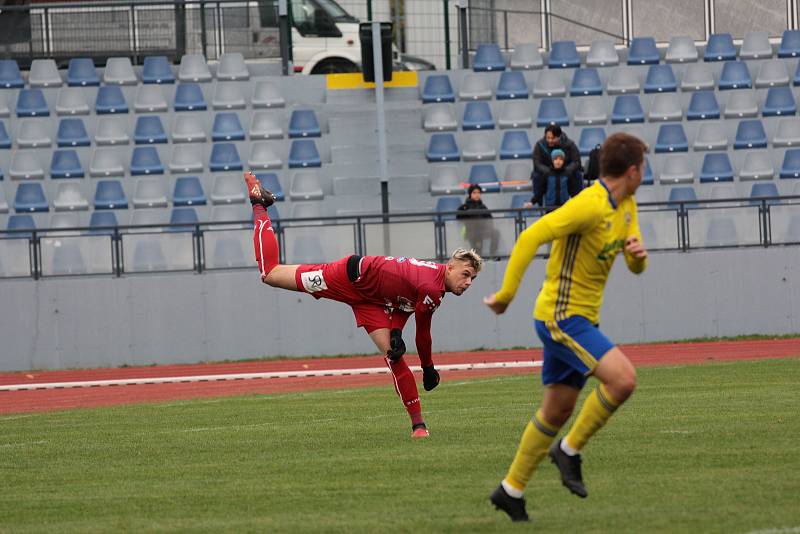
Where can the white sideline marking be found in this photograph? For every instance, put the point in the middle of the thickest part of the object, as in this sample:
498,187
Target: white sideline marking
251,376
787,530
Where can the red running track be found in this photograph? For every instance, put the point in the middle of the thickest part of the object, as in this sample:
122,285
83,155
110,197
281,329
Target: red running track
86,397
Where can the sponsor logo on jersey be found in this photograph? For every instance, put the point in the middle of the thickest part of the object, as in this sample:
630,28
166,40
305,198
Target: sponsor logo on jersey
313,281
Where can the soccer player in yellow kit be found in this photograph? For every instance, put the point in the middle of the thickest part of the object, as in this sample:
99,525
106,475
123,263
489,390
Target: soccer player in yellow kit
587,234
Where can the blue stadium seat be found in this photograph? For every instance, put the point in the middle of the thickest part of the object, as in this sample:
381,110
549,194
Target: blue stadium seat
590,138
81,72
515,145
586,82
563,55
145,160
790,44
157,69
518,202
485,176
643,51
445,204
488,58
5,140
671,138
627,109
110,100
750,134
10,77
30,197
149,130
703,105
31,103
685,195
552,111
183,216
443,147
188,192
511,85
109,195
100,219
304,153
720,48
224,157
779,101
735,75
270,181
189,97
477,116
438,89
764,190
303,123
660,79
791,164
21,222
65,164
716,168
227,127
647,178
72,132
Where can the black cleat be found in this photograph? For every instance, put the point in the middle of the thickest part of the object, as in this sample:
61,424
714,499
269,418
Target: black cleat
257,194
570,468
515,508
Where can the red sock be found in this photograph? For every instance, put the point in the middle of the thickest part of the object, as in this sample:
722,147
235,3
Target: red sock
264,241
406,388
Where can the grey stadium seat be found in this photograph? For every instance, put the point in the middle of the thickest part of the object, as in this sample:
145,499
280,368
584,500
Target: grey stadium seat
445,180
194,69
34,133
306,186
755,45
602,53
515,114
623,80
228,95
475,87
697,77
267,95
228,189
711,135
44,73
526,56
25,165
186,157
149,216
231,67
787,133
150,99
119,71
107,162
665,107
772,73
112,131
264,155
267,125
757,165
518,171
72,101
188,128
69,197
681,49
5,111
676,169
478,147
590,111
150,193
65,219
549,83
740,104
438,117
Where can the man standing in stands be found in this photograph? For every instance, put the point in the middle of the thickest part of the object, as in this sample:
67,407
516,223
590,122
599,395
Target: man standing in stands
545,168
383,292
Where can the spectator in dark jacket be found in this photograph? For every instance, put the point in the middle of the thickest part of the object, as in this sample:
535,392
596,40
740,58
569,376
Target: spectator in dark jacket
554,139
557,187
478,225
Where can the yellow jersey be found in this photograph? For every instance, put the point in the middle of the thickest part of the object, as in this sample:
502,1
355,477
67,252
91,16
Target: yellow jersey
588,232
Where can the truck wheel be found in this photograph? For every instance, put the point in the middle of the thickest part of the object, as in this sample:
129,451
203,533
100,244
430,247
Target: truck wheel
333,66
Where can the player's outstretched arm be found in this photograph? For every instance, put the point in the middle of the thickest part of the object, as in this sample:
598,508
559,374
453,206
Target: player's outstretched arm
495,305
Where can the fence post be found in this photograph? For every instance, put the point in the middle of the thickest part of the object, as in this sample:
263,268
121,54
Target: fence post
369,9
464,31
446,34
285,35
203,38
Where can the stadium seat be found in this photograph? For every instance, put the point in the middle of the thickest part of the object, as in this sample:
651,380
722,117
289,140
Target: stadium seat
772,73
518,203
790,168
792,234
438,118
563,55
20,222
602,53
67,259
515,145
145,160
720,48
485,176
643,51
111,131
31,103
189,97
157,70
779,101
685,196
303,123
307,248
681,49
660,79
511,85
790,44
229,189
306,186
30,198
552,111
228,253
102,222
69,197
148,255
623,80
186,157
711,135
549,83
590,111
149,193
591,138
227,128
269,125
446,204
488,58
228,95
647,178
188,192
755,45
441,147
71,132
477,116
477,147
665,107
515,114
526,56
183,216
750,134
224,157
764,190
71,101
676,169
721,232
627,109
734,75
188,128
586,82
267,95
44,73
716,168
149,130
787,134
65,164
81,72
741,104
438,89
109,195
231,67
5,111
757,165
193,68
5,141
10,77
33,133
671,138
703,105
150,99
698,77
475,87
445,180
25,165
239,213
270,182
303,153
119,71
263,155
110,100
106,162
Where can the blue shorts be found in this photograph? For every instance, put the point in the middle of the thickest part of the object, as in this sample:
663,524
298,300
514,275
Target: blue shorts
572,348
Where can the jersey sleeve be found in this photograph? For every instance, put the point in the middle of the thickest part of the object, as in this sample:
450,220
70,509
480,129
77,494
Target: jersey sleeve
635,265
428,299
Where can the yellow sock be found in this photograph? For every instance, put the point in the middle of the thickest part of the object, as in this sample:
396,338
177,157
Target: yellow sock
594,413
533,446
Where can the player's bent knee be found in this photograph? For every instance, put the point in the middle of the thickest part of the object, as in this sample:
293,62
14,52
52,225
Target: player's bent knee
557,415
623,386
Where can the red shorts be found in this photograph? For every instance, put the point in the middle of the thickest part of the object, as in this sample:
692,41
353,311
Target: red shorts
330,281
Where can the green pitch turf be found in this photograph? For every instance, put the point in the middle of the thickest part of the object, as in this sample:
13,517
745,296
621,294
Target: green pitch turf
709,448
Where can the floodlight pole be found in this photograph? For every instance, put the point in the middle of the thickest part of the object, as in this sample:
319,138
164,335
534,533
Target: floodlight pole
380,109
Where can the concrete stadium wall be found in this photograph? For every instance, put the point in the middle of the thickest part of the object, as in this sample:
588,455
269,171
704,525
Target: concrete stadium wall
183,318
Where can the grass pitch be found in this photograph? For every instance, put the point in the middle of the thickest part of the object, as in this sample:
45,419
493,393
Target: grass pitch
708,448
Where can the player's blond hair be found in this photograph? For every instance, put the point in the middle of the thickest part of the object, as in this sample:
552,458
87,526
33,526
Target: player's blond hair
468,256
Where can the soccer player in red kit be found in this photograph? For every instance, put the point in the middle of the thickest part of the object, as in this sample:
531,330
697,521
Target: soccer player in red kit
383,292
